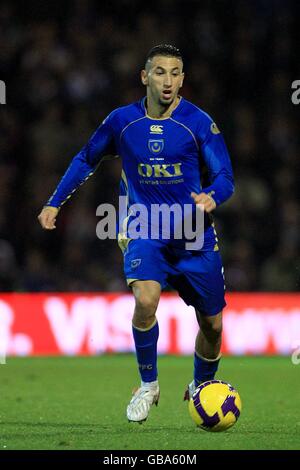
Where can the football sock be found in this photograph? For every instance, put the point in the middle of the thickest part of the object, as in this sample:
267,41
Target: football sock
146,351
204,369
150,385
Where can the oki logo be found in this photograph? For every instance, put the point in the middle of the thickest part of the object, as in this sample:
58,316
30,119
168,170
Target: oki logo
165,170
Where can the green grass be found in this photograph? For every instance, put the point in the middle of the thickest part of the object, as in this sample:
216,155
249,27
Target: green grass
79,403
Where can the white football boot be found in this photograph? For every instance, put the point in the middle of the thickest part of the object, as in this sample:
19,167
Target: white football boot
189,391
143,398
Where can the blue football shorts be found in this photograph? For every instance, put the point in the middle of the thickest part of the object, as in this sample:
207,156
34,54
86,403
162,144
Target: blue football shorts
197,276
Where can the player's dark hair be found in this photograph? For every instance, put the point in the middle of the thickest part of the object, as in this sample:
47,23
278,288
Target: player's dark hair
165,50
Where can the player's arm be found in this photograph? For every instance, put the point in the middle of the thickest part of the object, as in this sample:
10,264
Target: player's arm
217,161
81,168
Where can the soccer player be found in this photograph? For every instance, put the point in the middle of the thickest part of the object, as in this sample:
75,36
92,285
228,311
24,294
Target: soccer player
167,145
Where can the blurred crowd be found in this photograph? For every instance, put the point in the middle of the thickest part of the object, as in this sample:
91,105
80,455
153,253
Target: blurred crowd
67,64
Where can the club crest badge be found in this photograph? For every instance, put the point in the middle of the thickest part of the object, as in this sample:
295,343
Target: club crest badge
156,146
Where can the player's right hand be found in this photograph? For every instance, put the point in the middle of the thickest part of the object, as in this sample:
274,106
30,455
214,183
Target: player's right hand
47,217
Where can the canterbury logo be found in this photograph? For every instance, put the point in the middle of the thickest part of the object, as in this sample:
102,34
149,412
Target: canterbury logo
155,129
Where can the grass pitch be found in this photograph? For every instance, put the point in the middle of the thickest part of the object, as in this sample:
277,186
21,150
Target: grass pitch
80,402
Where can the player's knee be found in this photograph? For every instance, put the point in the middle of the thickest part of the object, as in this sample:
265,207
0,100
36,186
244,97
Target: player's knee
212,327
145,308
147,304
216,329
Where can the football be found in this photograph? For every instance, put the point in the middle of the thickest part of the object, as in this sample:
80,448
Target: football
215,406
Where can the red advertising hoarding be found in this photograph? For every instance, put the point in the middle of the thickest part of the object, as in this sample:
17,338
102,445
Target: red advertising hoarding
87,324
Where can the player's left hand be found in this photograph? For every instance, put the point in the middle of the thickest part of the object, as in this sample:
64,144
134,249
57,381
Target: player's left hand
205,201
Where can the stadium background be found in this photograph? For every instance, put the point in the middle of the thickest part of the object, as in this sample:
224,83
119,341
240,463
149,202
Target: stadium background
66,65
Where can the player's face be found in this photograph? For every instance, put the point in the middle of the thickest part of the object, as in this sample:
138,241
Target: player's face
164,77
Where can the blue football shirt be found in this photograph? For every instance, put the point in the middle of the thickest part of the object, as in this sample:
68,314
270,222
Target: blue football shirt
163,160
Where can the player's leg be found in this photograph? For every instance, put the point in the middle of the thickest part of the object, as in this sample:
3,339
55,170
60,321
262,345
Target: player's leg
201,284
207,350
145,327
145,334
144,271
207,347
209,303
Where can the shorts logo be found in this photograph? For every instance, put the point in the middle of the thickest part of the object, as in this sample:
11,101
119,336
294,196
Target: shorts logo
135,263
156,129
156,146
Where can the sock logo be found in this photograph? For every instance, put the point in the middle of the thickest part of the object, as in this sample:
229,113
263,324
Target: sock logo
145,366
